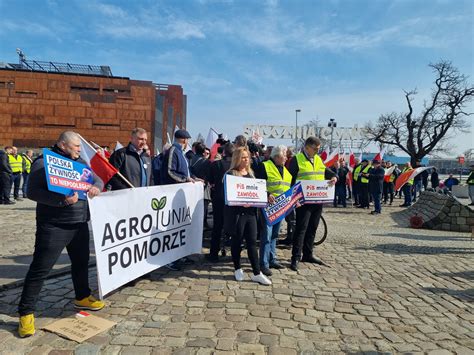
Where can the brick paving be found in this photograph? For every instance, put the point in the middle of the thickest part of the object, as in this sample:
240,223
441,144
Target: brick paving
389,289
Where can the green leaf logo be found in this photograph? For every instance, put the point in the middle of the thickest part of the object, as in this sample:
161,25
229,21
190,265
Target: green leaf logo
158,204
162,203
155,204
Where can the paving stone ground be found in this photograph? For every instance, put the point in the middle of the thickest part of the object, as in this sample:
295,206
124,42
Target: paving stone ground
389,290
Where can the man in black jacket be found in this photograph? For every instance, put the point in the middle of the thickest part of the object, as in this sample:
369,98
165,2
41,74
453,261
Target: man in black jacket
5,178
132,162
200,167
216,177
61,221
340,193
375,176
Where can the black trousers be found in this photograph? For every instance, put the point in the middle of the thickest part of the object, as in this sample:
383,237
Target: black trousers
218,224
307,221
246,228
50,242
206,209
355,191
290,225
388,191
364,195
16,181
5,187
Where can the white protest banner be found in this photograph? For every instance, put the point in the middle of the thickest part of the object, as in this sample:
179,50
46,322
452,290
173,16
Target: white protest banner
317,191
240,191
139,230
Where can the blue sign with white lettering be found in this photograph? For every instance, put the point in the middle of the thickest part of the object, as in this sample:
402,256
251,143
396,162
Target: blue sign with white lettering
284,204
66,176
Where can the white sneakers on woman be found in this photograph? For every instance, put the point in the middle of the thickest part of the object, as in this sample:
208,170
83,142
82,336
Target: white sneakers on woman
239,275
261,279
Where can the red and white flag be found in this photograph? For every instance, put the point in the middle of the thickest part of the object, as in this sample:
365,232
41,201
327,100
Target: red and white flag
212,137
332,158
408,175
324,154
379,155
99,165
390,170
257,137
352,161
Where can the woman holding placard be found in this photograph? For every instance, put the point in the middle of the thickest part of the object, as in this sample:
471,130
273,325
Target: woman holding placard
242,221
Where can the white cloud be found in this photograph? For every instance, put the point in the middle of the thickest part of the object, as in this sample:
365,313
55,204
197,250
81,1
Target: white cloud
28,27
151,23
277,32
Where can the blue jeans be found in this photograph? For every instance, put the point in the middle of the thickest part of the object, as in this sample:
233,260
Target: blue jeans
407,193
25,184
417,188
268,241
376,197
340,195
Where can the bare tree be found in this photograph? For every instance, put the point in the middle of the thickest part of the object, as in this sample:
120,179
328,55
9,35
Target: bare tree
427,132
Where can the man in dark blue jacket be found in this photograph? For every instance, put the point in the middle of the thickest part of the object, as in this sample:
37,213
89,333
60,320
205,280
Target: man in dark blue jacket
376,175
175,168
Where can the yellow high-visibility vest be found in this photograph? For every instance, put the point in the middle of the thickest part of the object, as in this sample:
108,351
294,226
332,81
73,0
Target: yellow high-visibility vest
16,163
411,181
365,180
276,185
308,170
357,172
27,161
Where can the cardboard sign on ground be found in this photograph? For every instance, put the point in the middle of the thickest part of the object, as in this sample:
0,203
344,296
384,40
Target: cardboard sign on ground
81,327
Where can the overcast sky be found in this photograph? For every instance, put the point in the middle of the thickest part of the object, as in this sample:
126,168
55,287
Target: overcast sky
255,62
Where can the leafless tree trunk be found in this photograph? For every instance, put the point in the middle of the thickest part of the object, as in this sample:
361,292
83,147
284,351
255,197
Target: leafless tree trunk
426,133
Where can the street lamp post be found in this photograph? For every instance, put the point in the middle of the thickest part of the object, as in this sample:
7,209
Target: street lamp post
296,131
332,124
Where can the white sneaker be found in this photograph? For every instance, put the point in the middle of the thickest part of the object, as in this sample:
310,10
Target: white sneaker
261,279
239,275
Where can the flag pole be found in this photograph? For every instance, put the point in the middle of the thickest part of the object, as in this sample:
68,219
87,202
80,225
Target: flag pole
118,172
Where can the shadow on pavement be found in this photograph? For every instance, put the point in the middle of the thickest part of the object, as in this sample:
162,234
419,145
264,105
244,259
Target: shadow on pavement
416,249
463,295
466,275
423,237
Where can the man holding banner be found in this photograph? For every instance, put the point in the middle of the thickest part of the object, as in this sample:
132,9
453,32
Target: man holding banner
61,222
307,165
278,182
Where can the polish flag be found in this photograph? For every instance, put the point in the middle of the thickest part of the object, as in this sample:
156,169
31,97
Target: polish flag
99,165
408,175
390,170
379,155
324,154
257,137
212,137
332,158
352,161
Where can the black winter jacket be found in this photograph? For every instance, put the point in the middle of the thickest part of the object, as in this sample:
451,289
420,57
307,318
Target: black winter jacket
4,164
128,163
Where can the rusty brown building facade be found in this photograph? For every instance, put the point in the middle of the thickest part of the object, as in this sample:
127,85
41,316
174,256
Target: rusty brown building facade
36,106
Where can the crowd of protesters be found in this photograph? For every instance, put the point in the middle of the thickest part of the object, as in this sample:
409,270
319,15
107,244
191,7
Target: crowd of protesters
62,221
